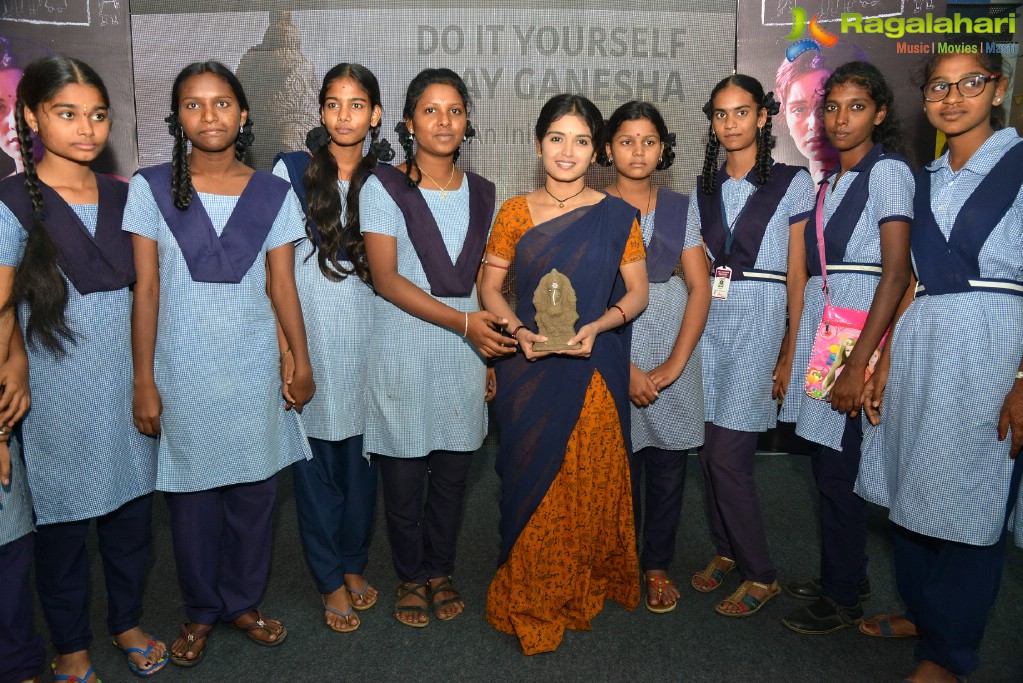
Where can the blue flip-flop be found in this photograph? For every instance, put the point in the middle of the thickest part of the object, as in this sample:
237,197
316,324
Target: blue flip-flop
135,668
72,678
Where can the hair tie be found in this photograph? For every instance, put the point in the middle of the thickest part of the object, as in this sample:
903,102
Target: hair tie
669,140
173,125
316,139
246,137
401,128
708,110
470,131
382,150
771,104
38,216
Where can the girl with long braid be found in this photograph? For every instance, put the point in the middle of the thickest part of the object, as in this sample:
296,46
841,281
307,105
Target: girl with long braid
425,223
212,239
751,213
335,492
68,268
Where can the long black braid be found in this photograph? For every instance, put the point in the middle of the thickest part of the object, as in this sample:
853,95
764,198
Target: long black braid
765,138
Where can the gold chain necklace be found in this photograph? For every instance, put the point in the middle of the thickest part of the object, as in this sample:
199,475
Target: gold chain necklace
443,190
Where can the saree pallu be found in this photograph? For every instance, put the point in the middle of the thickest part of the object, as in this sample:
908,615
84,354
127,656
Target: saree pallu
567,526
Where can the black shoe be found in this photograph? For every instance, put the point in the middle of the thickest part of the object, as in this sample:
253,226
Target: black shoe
811,589
823,616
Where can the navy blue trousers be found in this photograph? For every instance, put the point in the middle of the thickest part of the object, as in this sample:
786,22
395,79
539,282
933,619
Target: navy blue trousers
335,494
664,475
733,507
843,517
21,649
949,589
423,538
222,548
62,572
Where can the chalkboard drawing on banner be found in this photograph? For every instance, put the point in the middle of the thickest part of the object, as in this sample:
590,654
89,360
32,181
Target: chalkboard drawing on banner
281,86
779,12
108,12
62,12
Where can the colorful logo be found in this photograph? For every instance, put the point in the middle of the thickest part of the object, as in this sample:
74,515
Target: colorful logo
818,36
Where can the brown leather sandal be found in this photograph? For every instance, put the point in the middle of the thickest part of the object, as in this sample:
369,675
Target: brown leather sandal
261,623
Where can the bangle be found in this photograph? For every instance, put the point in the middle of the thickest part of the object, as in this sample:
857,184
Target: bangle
494,265
516,331
285,354
465,332
624,319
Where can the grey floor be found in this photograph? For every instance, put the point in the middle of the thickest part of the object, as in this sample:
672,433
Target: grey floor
692,643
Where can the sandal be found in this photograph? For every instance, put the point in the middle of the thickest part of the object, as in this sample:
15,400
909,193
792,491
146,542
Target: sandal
747,604
72,678
361,595
344,615
263,624
882,626
713,575
445,585
200,632
134,666
659,583
419,591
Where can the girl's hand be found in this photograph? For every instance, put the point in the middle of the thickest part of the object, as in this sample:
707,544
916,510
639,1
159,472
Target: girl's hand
491,386
526,339
782,370
847,393
873,393
5,461
302,387
287,375
665,374
1012,418
14,400
642,391
146,408
484,332
586,335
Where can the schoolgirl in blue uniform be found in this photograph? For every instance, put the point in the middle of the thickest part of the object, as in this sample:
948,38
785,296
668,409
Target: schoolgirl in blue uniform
946,460
751,213
666,375
425,225
212,238
335,492
71,268
865,205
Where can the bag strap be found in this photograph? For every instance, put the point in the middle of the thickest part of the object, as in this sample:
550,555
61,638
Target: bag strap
819,220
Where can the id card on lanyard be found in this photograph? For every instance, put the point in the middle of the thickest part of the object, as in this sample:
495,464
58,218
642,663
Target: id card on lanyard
723,274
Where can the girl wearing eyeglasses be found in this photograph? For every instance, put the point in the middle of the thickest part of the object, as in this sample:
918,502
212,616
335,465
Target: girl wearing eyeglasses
945,460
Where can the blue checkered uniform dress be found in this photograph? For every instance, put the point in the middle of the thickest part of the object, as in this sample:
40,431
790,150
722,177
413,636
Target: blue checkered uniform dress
217,359
15,501
338,322
83,454
744,332
674,421
937,463
891,194
425,384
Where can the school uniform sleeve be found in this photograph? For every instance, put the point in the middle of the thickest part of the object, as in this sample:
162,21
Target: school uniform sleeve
800,197
289,226
693,237
12,238
141,214
892,186
281,171
377,211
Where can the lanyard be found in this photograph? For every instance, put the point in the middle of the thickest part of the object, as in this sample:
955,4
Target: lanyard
730,229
